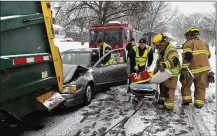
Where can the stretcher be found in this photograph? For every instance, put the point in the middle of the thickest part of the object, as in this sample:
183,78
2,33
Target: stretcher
144,88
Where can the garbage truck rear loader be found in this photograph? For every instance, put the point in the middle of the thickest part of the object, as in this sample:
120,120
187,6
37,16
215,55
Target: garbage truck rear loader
31,67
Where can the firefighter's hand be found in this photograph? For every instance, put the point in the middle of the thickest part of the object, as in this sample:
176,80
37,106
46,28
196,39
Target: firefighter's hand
184,72
182,79
162,68
136,68
183,76
155,71
211,78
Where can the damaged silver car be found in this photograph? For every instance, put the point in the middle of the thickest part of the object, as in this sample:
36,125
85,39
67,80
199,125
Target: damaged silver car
84,74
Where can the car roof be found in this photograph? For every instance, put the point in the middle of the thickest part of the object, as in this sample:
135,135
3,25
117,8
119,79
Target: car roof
87,50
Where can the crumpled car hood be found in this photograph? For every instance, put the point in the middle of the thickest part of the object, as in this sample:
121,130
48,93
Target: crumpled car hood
69,71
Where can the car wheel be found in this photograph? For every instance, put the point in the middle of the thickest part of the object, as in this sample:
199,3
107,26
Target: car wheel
88,95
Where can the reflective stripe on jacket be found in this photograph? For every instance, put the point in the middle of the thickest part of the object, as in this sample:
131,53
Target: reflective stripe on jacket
110,60
200,55
141,60
170,53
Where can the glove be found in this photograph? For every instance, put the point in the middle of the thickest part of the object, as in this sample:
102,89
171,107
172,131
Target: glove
155,70
182,79
185,77
136,68
211,78
162,68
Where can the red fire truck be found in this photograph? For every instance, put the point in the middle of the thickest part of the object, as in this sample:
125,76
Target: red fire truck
113,33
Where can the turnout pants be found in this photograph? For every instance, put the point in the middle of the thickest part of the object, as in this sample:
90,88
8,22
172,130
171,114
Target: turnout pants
200,84
167,92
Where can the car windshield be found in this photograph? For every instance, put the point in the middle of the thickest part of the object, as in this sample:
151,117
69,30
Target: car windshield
110,36
76,58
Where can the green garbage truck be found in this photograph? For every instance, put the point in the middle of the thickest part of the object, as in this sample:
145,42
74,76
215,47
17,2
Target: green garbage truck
31,66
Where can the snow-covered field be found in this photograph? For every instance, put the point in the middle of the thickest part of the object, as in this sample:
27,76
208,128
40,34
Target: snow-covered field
111,113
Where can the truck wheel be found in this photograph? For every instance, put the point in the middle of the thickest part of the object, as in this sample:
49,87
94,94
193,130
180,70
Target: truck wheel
88,94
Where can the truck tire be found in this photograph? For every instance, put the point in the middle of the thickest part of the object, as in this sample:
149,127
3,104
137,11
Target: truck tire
88,94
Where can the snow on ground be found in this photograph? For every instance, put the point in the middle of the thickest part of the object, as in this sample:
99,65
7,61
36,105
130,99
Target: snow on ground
64,45
111,113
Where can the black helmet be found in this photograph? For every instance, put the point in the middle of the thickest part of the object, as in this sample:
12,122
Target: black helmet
99,40
132,39
142,40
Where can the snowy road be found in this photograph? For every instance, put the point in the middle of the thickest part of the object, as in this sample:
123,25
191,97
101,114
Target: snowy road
112,107
112,114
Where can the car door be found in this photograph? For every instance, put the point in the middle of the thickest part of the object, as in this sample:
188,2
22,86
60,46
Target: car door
114,74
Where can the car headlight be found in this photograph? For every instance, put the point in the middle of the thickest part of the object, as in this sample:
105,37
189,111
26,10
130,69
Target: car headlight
69,89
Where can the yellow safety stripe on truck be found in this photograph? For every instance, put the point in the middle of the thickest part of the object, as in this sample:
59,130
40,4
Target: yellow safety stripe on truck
44,97
54,50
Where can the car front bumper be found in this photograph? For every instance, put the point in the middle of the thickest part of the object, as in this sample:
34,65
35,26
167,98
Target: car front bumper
73,99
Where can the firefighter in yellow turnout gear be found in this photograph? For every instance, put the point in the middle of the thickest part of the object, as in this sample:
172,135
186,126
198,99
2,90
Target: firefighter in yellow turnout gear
195,57
104,48
168,58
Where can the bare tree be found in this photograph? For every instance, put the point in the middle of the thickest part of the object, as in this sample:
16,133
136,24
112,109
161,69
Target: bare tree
142,15
101,12
138,16
160,15
209,25
205,22
178,24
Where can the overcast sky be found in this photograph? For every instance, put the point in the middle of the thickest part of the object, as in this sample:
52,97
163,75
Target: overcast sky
192,7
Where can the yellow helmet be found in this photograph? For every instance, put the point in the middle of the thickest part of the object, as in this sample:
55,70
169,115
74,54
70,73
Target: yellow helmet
159,38
192,31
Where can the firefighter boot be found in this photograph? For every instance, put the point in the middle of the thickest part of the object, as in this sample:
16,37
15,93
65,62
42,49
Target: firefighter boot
199,106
